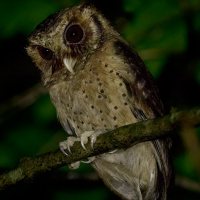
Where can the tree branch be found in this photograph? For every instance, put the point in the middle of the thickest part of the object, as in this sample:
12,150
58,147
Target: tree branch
123,137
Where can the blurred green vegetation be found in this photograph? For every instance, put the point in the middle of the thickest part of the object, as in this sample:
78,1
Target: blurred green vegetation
166,33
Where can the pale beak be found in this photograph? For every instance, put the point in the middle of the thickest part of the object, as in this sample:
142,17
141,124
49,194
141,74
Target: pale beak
69,64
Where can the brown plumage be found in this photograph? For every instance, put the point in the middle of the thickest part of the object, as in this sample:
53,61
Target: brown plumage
98,83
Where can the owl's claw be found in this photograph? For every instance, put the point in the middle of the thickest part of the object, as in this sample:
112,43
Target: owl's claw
86,162
84,138
67,144
63,151
111,152
89,134
90,159
93,140
82,144
68,148
92,144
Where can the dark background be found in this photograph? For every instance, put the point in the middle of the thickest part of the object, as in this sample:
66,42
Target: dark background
166,34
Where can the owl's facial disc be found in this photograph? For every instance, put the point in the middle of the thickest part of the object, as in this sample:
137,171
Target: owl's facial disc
69,64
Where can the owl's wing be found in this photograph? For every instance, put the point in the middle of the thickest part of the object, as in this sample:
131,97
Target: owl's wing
143,93
145,103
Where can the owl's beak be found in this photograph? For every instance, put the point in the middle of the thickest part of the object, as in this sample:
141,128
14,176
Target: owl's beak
69,64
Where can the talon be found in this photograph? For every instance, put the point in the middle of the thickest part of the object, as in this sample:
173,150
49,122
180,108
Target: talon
86,162
63,151
82,144
92,143
67,144
68,147
113,151
93,140
90,159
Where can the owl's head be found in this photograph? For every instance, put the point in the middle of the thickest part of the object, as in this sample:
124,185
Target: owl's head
67,38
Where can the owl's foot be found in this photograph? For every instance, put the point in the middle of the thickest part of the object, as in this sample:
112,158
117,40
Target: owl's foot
67,144
89,134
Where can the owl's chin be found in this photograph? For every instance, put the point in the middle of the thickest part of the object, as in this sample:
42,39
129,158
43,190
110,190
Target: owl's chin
69,64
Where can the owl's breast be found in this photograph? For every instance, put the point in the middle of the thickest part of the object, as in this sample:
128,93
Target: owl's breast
95,98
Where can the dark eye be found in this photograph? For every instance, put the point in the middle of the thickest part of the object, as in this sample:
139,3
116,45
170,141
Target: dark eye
73,34
45,53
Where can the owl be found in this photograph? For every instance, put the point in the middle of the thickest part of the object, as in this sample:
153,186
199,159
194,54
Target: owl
98,83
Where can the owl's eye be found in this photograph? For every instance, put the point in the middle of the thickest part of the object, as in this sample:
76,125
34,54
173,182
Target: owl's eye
74,34
45,53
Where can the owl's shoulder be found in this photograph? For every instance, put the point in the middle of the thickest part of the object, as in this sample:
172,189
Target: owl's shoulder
140,85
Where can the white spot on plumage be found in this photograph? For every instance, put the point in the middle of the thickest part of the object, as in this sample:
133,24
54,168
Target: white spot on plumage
141,84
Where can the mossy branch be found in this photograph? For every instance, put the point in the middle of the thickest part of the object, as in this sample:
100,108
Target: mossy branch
123,137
